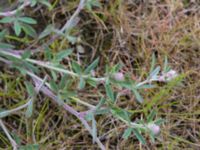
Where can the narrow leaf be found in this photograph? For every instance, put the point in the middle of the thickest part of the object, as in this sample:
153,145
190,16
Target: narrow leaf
48,30
151,116
127,133
6,46
81,83
53,86
62,54
153,62
109,92
28,20
29,110
26,54
92,66
76,67
154,73
94,129
139,136
30,89
138,96
17,28
4,114
29,30
7,20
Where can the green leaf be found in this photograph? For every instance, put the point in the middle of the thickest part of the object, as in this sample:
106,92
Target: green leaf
62,54
91,82
48,30
94,129
153,62
7,20
63,81
102,101
71,39
21,69
17,28
92,3
151,116
81,83
6,46
47,53
92,66
31,67
89,116
3,33
29,110
33,3
29,147
127,133
139,136
121,114
26,54
102,111
159,121
30,89
146,86
46,3
138,96
154,73
53,86
16,137
76,67
166,67
109,92
29,30
28,20
4,114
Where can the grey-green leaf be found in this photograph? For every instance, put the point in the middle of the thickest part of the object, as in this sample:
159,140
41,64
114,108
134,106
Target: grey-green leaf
76,67
127,133
7,20
29,110
81,83
29,30
17,28
92,66
138,96
30,89
27,20
139,136
62,54
48,30
109,92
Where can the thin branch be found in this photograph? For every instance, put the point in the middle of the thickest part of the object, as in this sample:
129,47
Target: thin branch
13,143
69,23
11,13
50,94
49,66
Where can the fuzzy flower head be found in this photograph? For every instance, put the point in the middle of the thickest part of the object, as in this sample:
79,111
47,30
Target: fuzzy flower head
168,76
119,76
155,129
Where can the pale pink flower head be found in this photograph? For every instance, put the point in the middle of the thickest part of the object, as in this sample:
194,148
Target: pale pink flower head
165,77
119,76
155,129
93,73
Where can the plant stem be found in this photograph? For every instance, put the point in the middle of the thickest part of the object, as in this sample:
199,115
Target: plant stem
13,143
11,13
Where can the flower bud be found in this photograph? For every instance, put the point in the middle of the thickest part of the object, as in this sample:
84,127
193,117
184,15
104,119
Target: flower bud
119,76
155,129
